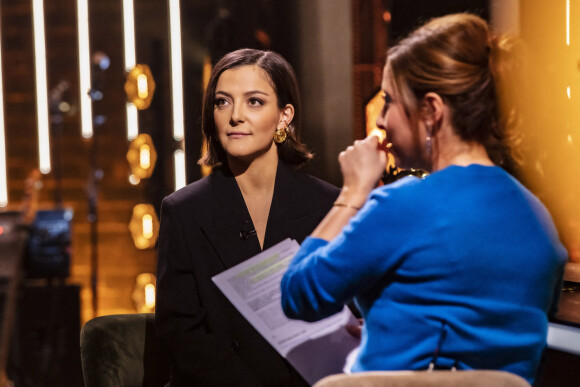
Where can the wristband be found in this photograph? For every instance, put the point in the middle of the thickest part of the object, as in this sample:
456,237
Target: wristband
340,204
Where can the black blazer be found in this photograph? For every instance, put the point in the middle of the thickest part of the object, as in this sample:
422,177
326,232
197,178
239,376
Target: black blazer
204,231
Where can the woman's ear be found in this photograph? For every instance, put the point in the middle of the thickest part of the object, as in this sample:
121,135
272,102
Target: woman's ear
286,116
432,108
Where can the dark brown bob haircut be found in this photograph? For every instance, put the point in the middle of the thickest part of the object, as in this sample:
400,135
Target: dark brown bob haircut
283,80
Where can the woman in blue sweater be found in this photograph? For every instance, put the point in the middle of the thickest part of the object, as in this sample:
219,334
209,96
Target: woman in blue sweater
459,269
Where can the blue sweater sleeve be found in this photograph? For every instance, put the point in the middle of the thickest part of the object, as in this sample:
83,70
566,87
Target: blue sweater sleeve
323,276
295,300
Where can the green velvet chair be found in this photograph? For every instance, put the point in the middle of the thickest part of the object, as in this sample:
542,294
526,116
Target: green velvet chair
122,350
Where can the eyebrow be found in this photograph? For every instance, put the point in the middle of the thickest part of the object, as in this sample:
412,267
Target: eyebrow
246,94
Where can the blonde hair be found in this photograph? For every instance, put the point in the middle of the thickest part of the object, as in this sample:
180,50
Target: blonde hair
457,57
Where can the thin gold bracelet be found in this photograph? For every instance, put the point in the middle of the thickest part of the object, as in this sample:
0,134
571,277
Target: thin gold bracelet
339,204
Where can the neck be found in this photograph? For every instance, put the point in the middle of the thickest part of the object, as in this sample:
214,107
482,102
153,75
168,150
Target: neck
450,149
258,175
461,153
256,181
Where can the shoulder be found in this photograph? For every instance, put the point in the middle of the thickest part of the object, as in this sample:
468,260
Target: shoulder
302,183
198,190
404,188
198,194
319,186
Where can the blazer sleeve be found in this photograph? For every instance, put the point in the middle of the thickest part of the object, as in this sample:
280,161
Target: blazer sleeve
199,357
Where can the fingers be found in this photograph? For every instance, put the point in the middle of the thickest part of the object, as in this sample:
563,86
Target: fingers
364,151
380,134
371,142
362,165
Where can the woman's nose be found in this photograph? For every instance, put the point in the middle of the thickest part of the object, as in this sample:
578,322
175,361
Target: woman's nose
237,115
382,121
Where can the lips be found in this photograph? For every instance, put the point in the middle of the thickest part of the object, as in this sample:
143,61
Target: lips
237,134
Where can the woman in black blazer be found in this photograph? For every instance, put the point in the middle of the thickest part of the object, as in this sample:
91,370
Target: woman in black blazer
254,198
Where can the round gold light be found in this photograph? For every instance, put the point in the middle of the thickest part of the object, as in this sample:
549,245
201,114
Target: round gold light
144,293
142,156
144,226
140,86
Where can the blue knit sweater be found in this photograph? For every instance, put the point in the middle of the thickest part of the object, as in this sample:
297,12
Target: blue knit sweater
460,269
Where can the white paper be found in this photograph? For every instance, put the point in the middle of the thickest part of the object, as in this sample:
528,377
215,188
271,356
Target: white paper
315,349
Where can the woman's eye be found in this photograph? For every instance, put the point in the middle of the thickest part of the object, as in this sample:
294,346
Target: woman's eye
256,102
219,102
385,108
388,100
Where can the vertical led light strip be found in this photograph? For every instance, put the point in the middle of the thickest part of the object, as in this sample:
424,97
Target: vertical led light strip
41,86
568,35
179,160
129,34
176,69
84,69
567,22
177,90
3,166
130,61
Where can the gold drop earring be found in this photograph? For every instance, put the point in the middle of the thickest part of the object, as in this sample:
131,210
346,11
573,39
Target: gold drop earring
281,134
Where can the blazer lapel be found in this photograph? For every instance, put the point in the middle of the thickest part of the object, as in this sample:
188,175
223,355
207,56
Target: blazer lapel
229,231
290,215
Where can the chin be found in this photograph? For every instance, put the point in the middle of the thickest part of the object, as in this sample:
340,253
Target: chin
238,150
401,163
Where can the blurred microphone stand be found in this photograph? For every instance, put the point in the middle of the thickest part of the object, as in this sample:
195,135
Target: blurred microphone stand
100,63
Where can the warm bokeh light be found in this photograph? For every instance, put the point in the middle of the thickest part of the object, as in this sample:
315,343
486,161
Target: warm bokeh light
147,226
144,226
145,156
387,16
134,179
142,91
144,293
372,110
142,156
206,74
551,119
140,86
150,296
